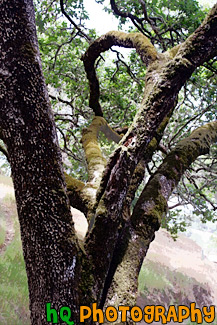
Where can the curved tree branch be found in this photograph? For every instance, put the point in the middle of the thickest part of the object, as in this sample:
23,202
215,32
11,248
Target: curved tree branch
138,41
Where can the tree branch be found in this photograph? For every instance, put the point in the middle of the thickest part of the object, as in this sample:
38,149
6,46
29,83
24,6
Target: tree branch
76,194
138,41
150,209
95,160
67,102
139,172
73,23
201,45
162,183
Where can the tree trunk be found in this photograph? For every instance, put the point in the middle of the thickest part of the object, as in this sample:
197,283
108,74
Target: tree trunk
49,245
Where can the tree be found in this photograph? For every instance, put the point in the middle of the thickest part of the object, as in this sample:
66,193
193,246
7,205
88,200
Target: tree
61,269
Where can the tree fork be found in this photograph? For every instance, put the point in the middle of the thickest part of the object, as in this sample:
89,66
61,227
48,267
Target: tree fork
149,211
155,106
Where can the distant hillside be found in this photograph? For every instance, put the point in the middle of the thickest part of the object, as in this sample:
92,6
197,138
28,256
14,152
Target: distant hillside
6,186
177,273
13,281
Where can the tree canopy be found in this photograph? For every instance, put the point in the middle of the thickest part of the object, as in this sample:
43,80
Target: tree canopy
63,39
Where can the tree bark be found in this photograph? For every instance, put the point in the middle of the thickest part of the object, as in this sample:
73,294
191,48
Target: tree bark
164,79
149,211
49,244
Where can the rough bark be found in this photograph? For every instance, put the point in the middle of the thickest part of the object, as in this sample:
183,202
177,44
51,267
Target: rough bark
149,211
165,78
139,172
49,244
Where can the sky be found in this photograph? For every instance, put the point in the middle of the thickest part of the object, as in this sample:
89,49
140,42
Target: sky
103,22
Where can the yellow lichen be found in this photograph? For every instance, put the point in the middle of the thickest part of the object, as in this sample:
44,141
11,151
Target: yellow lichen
140,42
94,157
173,51
73,183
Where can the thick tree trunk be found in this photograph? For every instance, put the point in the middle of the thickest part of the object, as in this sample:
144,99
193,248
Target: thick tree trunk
27,127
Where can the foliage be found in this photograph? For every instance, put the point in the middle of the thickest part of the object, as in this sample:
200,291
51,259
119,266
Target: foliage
121,82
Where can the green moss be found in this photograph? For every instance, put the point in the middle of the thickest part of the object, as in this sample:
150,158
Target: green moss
173,51
73,184
90,141
152,203
95,160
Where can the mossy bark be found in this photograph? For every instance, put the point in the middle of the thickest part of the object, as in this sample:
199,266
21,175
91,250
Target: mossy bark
165,77
149,211
95,161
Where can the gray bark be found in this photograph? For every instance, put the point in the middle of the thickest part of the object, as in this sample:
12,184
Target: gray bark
27,127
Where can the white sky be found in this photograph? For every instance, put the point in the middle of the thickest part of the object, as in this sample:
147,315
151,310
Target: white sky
99,19
103,22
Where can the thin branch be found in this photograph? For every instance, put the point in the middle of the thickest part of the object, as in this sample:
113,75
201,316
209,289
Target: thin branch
188,121
175,205
61,45
62,100
192,181
151,23
73,23
124,14
132,75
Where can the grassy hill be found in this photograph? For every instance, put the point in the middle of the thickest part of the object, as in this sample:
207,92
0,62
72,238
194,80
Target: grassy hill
13,281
